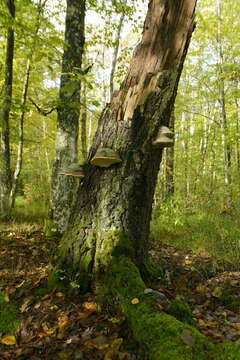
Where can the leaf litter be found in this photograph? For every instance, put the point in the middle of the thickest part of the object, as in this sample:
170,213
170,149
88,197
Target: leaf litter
68,326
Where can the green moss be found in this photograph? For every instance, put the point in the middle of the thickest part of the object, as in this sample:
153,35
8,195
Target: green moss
8,316
158,334
154,271
180,310
226,351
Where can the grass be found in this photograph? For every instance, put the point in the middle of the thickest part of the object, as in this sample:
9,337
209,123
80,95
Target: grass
26,216
206,229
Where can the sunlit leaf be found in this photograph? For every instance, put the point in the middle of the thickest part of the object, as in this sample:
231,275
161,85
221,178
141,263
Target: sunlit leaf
8,340
90,306
217,292
135,301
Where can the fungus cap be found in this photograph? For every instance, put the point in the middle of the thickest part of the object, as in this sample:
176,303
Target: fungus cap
105,157
163,141
164,130
74,169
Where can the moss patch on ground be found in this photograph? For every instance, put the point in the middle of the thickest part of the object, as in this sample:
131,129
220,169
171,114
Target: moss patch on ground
8,315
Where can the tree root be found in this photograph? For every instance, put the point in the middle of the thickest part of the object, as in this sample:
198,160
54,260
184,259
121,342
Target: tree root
160,336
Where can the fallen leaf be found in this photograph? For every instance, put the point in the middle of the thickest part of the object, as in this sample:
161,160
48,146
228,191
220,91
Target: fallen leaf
135,301
90,306
6,297
187,338
60,294
217,292
8,340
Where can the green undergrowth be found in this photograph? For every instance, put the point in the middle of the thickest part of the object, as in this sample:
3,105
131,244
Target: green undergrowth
25,217
8,315
207,228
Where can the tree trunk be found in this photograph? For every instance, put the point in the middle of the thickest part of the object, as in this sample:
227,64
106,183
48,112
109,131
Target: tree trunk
5,172
84,124
18,166
105,246
169,174
115,52
223,114
63,189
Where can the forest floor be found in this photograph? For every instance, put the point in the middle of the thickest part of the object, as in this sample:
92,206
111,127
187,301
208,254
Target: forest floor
65,325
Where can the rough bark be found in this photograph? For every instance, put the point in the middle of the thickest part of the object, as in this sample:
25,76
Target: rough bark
63,189
5,172
83,121
106,244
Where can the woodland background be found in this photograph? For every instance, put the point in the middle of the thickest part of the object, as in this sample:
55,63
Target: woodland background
198,193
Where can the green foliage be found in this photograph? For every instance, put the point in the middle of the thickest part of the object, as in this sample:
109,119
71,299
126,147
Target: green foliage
231,302
180,310
208,228
8,316
56,281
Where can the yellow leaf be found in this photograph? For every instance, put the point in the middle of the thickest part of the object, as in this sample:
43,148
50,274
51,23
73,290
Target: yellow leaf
60,294
6,297
202,323
116,344
135,301
50,331
90,306
8,340
217,292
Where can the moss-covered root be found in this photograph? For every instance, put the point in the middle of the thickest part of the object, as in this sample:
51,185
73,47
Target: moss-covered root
161,336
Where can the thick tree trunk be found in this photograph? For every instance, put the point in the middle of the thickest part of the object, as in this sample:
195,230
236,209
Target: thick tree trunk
106,244
63,189
5,171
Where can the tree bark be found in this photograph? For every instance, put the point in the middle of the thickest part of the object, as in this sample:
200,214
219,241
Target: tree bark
18,166
105,246
169,173
83,121
63,188
5,172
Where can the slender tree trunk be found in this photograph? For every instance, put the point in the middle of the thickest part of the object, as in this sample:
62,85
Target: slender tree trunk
222,102
115,52
18,166
83,121
63,189
169,175
5,171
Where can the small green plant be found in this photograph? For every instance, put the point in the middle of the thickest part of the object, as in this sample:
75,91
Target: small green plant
8,316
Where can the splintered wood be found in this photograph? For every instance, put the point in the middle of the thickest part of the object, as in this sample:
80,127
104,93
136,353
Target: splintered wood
161,45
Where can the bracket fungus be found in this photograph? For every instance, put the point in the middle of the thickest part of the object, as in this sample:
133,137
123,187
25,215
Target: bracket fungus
164,138
105,157
74,169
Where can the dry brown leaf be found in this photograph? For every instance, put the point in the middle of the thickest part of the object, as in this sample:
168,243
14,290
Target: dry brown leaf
187,338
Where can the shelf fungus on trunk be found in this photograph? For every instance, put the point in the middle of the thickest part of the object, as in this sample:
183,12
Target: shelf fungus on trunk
105,157
164,138
74,169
